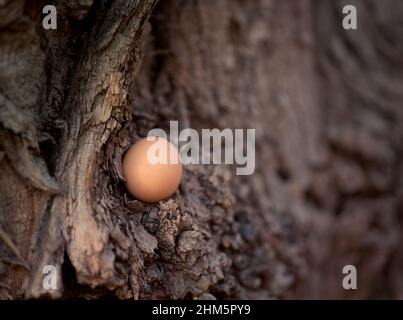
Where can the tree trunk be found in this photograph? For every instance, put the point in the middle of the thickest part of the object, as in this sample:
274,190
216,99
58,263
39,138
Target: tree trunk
326,106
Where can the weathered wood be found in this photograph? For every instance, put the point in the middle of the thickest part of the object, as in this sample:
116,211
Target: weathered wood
326,106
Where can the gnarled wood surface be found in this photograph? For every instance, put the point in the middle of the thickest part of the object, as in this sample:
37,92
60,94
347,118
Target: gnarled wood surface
326,106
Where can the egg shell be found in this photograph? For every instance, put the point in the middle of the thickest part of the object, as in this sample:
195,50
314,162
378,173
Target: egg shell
148,180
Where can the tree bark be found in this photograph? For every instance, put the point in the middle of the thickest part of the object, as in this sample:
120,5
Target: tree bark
326,106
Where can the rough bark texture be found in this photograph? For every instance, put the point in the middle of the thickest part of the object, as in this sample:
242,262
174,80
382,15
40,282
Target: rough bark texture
327,108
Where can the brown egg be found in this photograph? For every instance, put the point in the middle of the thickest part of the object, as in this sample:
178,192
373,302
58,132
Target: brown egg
152,169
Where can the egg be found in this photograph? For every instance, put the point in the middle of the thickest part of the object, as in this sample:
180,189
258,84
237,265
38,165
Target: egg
152,169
